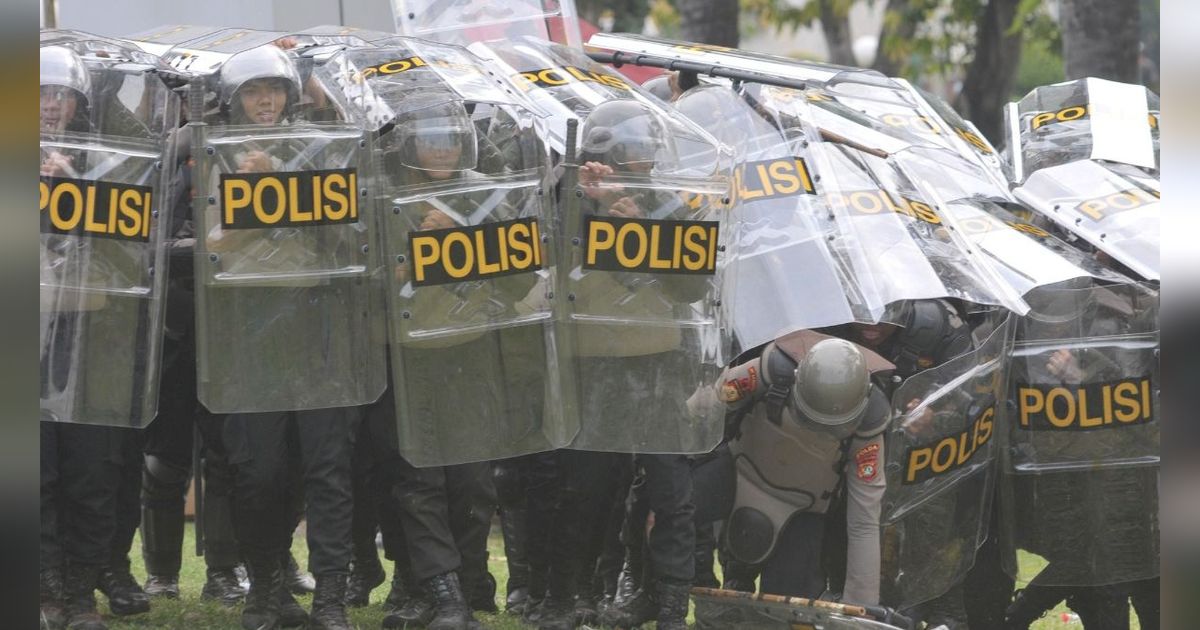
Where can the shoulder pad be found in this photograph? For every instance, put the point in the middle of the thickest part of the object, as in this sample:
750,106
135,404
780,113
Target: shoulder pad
876,416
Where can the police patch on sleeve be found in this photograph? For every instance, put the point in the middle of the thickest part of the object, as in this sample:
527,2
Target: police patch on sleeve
866,462
737,388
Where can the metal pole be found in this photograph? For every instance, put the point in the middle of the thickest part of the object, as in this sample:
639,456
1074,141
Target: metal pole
618,59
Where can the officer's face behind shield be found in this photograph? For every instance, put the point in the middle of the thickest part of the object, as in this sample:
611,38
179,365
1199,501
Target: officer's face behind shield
65,84
263,100
57,108
259,86
439,149
438,137
629,137
831,388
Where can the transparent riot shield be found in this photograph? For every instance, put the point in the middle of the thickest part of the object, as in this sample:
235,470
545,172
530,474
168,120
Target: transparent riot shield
467,232
940,470
106,116
1025,255
1080,483
718,609
1110,206
774,231
891,233
1086,119
641,316
286,290
565,84
465,21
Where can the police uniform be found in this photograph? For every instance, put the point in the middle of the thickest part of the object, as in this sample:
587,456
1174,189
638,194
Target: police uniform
82,468
167,459
789,467
273,454
1099,523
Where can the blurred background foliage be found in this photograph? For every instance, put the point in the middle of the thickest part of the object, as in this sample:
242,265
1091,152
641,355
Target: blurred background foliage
977,54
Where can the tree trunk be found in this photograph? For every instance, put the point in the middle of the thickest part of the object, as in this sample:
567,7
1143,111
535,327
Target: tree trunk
1100,39
709,21
835,25
899,27
990,77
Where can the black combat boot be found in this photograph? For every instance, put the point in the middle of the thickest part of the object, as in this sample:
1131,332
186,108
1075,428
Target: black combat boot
481,593
262,602
365,575
79,595
222,585
451,611
297,581
630,578
124,595
672,606
633,612
165,586
329,603
410,610
557,613
50,586
291,613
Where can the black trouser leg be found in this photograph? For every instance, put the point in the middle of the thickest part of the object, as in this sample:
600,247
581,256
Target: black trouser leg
326,441
672,541
1145,597
50,540
794,568
472,503
258,445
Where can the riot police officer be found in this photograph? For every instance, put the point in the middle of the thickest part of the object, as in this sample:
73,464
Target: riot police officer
80,464
444,511
166,464
623,138
808,420
261,86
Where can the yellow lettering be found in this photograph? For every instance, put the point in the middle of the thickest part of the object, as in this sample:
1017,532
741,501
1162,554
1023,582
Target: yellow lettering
1032,401
918,459
1123,395
426,250
601,236
463,270
260,211
1065,421
622,237
236,197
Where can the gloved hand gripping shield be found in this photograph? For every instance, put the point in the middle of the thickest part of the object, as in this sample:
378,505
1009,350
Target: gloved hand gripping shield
284,252
106,115
641,219
1080,484
468,259
940,471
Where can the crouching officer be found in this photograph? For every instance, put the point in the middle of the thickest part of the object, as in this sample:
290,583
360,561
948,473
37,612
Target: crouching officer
807,420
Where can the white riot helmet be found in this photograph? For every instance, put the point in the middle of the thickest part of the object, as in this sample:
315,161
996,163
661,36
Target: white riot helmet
832,387
264,62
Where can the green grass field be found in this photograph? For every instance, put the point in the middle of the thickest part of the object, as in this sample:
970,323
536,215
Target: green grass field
192,613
